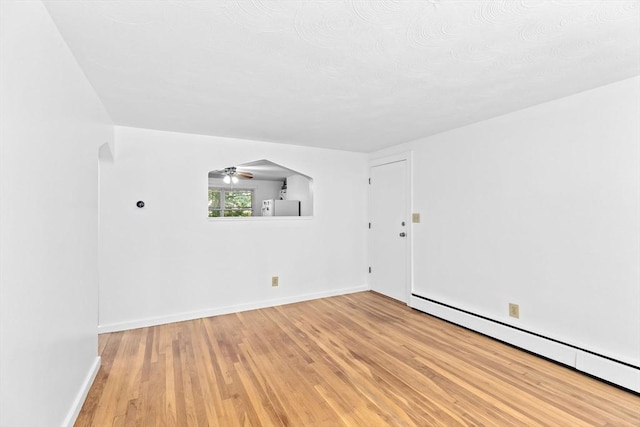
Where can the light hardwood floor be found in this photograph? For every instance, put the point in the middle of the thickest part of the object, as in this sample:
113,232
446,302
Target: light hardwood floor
353,360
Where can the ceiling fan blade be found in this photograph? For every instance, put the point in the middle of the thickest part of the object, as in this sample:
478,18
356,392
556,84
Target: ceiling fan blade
244,175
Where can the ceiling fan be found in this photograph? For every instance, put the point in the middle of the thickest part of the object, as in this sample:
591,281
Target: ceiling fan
230,175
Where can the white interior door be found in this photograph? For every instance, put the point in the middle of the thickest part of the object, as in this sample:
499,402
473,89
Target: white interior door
389,228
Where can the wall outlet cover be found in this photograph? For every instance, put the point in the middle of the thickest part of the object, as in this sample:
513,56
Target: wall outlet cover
514,310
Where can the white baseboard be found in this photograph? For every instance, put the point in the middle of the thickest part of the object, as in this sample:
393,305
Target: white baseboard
82,394
592,364
180,317
616,373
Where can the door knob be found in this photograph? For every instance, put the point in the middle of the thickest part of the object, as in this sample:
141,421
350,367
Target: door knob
403,234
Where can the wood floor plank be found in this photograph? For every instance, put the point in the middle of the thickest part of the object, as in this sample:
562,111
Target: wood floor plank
353,360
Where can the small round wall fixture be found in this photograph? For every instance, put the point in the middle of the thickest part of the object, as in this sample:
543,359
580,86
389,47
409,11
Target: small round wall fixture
140,204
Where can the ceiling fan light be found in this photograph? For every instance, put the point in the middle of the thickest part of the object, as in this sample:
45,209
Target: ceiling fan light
227,179
234,179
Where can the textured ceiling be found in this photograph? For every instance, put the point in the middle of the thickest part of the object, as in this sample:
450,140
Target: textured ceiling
348,74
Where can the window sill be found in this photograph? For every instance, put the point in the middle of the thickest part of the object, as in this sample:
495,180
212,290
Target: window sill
261,218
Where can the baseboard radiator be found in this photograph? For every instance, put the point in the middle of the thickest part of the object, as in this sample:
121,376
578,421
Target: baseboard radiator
605,368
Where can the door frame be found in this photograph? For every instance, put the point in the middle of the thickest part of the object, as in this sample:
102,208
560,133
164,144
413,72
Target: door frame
407,157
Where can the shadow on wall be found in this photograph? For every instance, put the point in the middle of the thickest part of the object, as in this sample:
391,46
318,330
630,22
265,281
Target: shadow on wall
259,188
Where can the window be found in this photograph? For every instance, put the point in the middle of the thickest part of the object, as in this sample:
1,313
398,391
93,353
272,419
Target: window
262,183
227,202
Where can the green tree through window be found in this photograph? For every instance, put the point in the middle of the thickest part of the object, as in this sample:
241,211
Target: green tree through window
226,203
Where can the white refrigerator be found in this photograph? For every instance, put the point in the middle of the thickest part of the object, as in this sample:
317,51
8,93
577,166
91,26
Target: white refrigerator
280,207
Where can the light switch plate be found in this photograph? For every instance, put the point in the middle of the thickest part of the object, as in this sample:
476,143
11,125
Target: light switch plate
415,217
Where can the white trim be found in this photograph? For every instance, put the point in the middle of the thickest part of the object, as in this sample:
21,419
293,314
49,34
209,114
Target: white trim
404,156
260,218
592,364
407,157
181,317
73,413
609,370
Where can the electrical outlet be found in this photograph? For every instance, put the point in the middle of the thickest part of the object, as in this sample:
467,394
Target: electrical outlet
274,281
514,310
415,217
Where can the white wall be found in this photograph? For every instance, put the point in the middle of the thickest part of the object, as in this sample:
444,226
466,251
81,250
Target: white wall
300,188
168,261
51,125
540,207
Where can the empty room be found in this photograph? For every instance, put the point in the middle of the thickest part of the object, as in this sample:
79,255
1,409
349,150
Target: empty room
320,213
